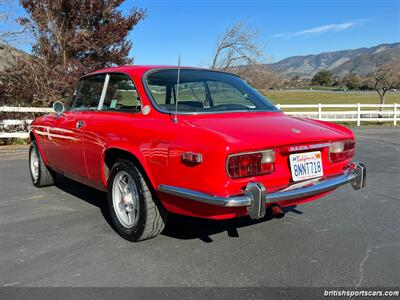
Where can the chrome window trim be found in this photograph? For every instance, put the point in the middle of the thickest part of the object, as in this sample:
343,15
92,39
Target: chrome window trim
103,92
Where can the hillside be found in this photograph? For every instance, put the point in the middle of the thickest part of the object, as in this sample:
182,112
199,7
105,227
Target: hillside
360,61
7,55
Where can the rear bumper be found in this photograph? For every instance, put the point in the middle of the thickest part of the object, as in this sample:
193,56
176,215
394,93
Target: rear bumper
255,197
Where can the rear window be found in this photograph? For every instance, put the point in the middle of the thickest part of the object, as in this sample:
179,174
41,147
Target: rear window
203,91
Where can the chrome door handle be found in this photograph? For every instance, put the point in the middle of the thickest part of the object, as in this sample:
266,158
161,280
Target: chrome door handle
79,124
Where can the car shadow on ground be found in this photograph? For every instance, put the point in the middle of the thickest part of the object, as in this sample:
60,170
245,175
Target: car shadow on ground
178,227
182,227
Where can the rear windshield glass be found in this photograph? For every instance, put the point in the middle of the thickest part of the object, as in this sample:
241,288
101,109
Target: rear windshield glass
204,91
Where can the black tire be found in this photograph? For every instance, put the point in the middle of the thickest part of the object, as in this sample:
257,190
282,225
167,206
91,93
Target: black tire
151,216
45,176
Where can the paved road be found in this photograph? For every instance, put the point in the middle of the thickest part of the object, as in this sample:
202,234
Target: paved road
59,236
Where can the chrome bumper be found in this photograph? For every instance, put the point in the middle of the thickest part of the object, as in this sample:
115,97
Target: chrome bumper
255,196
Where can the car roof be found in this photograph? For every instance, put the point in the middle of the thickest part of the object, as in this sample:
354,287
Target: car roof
140,68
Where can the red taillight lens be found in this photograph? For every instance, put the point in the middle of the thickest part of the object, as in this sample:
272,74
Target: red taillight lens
341,150
251,164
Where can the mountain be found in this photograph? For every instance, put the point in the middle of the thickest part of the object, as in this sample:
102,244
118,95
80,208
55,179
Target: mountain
359,61
8,55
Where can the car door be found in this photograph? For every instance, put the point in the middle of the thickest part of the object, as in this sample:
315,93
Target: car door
66,136
116,111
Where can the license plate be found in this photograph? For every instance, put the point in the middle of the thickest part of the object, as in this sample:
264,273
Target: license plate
306,165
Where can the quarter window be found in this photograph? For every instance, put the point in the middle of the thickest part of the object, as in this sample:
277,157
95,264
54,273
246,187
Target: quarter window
121,94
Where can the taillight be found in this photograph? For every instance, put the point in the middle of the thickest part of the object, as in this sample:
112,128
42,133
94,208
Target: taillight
341,150
251,164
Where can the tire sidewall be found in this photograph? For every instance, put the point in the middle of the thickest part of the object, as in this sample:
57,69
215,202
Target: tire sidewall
34,147
135,232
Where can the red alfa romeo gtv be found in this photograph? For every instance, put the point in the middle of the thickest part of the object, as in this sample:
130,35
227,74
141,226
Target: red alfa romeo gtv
187,141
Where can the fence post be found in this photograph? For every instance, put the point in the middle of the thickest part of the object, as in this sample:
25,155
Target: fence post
358,114
395,114
319,111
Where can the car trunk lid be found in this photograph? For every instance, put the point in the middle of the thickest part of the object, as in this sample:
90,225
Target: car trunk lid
252,131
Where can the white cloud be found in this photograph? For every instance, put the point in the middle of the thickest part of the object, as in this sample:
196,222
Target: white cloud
280,35
318,30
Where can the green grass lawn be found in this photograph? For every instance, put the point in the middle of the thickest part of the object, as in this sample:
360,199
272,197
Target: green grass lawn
305,97
296,97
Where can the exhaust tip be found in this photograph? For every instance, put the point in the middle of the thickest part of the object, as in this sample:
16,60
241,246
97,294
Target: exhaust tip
277,211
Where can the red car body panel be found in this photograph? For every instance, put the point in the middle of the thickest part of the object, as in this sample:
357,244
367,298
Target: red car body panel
158,144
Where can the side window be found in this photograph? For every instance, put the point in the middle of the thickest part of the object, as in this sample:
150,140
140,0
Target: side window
224,93
121,94
159,93
88,93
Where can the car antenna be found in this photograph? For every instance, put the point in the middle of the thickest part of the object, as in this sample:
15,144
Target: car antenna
175,120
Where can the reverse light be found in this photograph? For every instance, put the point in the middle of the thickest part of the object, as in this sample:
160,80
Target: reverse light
251,164
341,150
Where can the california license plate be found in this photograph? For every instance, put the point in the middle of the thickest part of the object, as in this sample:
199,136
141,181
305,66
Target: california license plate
306,165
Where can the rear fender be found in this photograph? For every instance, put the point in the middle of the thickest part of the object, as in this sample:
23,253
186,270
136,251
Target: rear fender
141,161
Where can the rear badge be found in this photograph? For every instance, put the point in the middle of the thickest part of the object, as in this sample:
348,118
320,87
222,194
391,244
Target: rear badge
296,130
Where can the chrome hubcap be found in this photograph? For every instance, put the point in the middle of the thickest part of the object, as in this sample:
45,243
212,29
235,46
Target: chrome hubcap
125,199
34,163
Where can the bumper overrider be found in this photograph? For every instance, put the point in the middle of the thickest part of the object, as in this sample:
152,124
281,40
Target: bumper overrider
255,197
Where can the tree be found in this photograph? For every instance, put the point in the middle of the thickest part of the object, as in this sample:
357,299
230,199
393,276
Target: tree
9,32
367,82
351,81
386,77
238,51
71,38
91,34
259,76
323,77
237,46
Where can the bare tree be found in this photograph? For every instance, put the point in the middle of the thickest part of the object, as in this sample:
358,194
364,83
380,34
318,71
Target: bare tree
259,76
237,46
386,77
10,30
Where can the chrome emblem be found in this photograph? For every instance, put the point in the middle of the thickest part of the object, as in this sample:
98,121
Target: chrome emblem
296,130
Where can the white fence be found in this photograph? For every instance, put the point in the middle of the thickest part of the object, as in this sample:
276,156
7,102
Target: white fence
327,112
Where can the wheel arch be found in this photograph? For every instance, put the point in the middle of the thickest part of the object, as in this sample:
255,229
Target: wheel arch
111,155
33,137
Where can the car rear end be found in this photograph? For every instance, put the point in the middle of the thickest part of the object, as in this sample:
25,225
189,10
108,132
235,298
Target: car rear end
283,174
292,174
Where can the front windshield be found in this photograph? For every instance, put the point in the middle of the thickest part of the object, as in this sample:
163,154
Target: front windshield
204,91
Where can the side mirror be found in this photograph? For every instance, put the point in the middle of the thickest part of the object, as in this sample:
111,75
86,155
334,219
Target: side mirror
58,107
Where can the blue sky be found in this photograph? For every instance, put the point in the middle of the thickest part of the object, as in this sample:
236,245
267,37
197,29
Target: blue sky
286,27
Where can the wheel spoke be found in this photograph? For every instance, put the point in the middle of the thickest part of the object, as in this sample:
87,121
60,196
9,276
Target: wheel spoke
129,215
121,189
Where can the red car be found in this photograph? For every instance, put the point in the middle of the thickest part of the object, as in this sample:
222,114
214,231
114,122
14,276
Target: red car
187,141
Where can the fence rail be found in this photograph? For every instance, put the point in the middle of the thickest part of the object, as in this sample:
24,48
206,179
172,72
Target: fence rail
357,113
